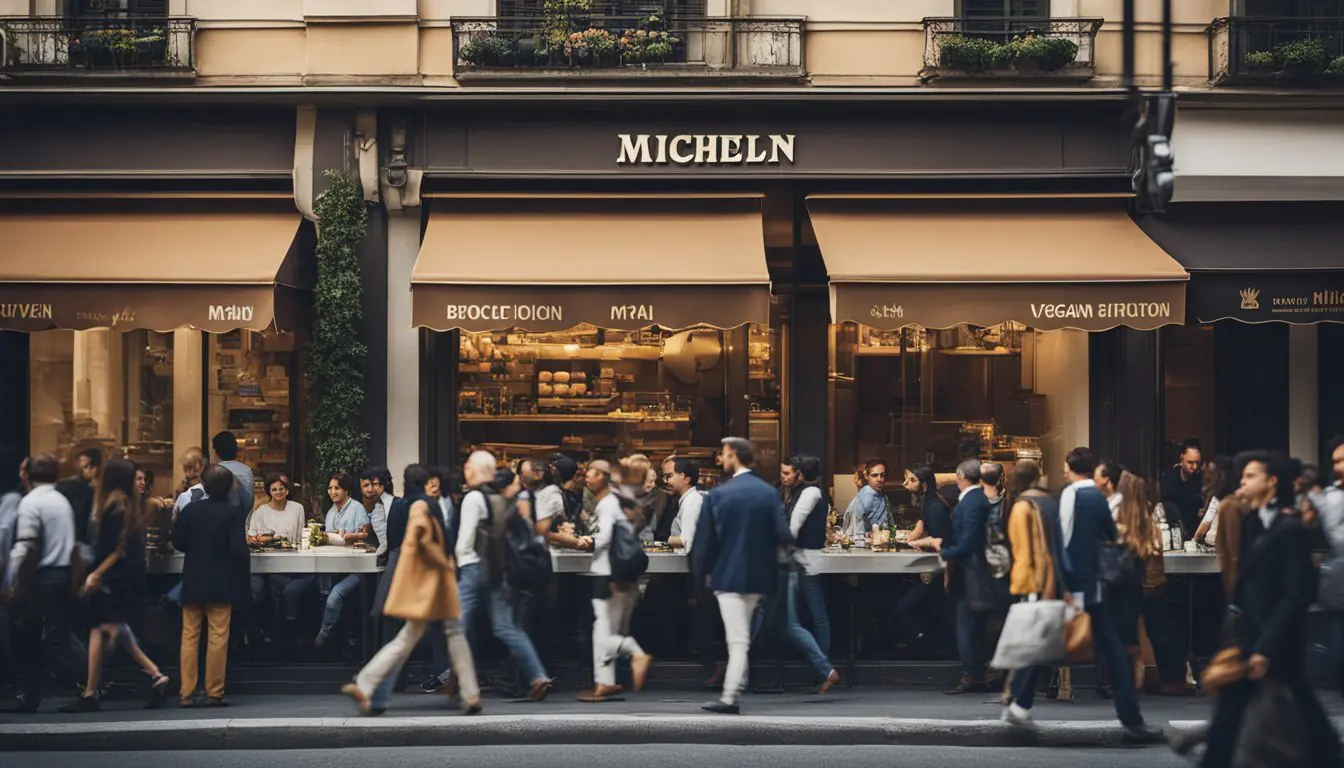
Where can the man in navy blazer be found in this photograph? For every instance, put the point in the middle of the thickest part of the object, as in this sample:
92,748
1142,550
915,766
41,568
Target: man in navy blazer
966,562
1086,520
737,542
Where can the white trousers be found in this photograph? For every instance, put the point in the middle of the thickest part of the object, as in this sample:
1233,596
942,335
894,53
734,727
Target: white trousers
736,611
391,657
611,633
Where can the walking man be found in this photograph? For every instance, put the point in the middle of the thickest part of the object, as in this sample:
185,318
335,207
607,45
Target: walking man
1086,521
737,541
969,574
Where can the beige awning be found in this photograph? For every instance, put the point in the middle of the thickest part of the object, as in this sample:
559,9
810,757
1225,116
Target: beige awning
211,271
544,263
1049,264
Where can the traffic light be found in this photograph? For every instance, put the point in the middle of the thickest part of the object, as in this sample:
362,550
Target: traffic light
1154,159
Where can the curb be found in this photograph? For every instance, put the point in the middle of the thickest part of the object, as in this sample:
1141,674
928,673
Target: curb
549,730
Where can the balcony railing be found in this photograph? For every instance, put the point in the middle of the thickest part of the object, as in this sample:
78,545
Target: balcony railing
628,46
132,46
1009,47
1265,50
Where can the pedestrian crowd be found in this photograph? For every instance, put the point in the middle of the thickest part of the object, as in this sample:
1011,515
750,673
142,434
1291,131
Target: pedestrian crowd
1066,579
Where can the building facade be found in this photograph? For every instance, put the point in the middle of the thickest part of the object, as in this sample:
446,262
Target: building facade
840,228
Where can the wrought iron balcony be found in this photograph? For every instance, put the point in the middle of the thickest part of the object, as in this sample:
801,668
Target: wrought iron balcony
127,47
599,47
1009,47
1272,50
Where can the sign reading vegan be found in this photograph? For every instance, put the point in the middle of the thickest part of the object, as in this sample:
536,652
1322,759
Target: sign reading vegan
705,149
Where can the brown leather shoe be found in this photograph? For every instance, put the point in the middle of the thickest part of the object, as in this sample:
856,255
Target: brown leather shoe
600,693
966,684
639,670
540,689
352,691
830,682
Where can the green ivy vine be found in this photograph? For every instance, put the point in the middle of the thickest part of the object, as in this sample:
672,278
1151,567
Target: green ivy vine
336,357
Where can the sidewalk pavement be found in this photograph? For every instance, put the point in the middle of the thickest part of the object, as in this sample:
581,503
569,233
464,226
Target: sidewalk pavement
922,717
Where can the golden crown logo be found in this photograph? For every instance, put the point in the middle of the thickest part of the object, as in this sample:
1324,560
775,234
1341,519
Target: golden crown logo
1250,298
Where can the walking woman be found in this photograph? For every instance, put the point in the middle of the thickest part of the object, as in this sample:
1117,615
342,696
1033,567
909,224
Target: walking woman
423,590
116,583
1139,533
216,576
613,601
1039,565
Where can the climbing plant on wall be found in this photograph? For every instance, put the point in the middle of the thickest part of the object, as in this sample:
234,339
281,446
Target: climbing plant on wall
336,357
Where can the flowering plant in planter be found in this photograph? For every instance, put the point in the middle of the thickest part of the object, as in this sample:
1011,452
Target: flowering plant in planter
650,43
593,45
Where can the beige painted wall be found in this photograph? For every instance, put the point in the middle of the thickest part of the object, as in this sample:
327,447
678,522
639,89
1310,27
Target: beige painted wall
234,52
445,9
243,10
352,8
363,49
849,10
865,53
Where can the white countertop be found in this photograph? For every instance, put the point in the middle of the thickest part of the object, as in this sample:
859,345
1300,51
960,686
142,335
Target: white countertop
334,559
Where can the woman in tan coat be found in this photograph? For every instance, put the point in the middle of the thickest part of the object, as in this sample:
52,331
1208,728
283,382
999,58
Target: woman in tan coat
423,590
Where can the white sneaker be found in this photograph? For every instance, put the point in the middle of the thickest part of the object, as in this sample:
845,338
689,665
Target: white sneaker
1013,714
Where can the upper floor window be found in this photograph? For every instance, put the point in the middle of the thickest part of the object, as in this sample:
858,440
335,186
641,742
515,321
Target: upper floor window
1005,8
1301,9
117,8
614,7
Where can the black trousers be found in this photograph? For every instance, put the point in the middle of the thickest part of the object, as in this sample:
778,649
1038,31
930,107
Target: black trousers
1132,602
43,627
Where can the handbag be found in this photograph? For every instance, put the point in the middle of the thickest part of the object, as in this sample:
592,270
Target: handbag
1077,633
1277,736
1033,635
1118,566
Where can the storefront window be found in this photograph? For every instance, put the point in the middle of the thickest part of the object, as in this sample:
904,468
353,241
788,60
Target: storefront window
108,390
1189,375
595,393
936,397
251,382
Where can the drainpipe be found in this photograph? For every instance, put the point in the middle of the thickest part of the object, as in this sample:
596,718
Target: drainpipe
304,141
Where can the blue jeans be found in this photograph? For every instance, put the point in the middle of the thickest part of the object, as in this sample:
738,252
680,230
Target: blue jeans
807,645
506,630
810,589
471,600
341,592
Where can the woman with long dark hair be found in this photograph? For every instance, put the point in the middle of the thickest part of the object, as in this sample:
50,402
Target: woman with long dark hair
934,526
116,581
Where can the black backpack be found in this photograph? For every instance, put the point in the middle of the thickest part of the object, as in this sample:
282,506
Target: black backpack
628,559
510,547
998,551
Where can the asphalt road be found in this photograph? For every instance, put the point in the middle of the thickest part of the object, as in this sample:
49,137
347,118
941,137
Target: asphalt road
645,756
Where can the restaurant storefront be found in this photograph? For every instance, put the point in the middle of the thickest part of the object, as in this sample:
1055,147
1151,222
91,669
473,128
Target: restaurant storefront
913,283
1262,346
151,327
575,174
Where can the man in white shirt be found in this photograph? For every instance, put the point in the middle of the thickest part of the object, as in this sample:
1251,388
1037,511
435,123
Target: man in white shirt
1107,479
683,477
1066,503
45,535
549,508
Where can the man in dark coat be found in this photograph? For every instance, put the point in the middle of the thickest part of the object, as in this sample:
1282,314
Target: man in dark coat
967,573
737,542
1276,584
216,576
1086,522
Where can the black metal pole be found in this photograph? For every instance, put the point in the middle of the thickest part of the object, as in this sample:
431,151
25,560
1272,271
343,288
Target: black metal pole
1128,51
1167,74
